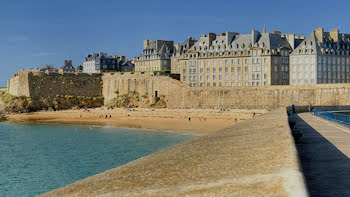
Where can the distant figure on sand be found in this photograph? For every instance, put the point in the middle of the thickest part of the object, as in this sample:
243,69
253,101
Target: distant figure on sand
189,119
235,119
253,114
293,108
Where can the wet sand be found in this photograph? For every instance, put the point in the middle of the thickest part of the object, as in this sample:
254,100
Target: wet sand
203,121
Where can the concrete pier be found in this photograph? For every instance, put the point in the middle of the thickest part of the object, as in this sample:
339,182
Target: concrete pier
324,152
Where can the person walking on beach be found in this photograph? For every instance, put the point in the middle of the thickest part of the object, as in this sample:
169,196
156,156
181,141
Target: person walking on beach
293,108
189,119
253,114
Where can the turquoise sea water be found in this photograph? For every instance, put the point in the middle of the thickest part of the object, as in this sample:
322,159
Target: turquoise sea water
38,158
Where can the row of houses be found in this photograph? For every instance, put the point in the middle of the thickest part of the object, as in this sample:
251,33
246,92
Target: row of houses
255,59
94,63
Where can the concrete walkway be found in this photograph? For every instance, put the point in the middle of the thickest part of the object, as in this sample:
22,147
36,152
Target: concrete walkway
324,151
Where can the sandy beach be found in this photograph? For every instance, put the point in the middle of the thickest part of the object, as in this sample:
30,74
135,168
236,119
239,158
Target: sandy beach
202,121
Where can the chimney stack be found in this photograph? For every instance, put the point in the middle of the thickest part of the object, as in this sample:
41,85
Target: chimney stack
319,34
145,43
334,33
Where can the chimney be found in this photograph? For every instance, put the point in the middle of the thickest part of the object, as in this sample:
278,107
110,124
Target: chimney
255,35
334,33
212,37
276,32
145,43
176,46
319,34
291,40
230,36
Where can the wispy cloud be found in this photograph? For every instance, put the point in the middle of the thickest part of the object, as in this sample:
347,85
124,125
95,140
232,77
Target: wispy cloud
17,38
43,54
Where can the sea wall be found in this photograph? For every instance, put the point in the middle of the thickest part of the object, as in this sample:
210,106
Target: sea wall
179,94
32,83
253,158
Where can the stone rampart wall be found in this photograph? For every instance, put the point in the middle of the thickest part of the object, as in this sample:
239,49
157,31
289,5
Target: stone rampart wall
181,95
38,84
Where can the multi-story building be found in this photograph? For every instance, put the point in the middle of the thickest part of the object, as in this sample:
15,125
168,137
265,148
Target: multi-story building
155,55
67,67
101,62
322,57
232,59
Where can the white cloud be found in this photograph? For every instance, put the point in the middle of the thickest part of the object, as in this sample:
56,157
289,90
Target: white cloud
43,54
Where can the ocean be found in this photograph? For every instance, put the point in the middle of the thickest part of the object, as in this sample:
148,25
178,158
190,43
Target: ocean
36,158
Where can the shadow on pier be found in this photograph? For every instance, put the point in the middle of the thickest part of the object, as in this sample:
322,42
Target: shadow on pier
325,167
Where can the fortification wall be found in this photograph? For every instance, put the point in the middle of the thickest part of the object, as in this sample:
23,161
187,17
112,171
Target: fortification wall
18,84
181,95
38,84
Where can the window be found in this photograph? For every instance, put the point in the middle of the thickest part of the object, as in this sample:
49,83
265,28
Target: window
238,61
226,77
214,70
214,77
208,77
226,62
201,77
220,70
239,83
226,69
245,61
232,61
239,69
201,70
220,84
226,83
232,83
232,77
265,76
220,77
208,84
232,69
246,69
208,70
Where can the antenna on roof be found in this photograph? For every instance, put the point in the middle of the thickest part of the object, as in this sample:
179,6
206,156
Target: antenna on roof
264,29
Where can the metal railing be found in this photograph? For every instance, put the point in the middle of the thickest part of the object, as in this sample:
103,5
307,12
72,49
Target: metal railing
333,117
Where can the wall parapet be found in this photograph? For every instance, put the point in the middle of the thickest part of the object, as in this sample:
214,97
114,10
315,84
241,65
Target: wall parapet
255,157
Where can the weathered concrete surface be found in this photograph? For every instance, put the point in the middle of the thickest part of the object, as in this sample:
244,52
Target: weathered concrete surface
324,153
253,158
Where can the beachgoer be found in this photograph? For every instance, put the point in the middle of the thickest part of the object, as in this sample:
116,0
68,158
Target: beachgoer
189,119
235,119
106,116
110,116
253,114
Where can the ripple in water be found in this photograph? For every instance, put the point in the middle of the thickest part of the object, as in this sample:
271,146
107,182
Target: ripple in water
38,158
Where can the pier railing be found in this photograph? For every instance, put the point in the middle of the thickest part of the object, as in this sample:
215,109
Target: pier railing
333,117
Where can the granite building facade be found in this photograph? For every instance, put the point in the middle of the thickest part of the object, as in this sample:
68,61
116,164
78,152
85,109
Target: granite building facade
232,59
321,58
101,62
155,55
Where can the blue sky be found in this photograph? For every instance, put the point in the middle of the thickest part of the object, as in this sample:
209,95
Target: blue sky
38,32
